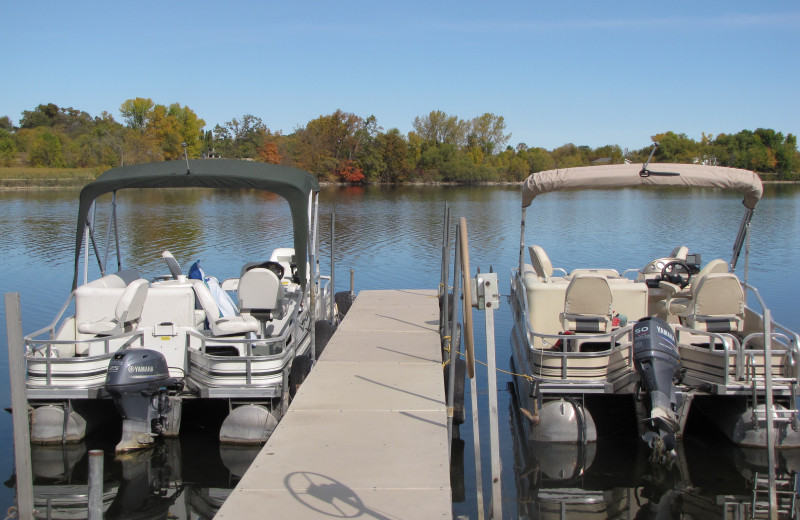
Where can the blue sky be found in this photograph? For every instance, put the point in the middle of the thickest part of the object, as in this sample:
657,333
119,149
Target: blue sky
586,72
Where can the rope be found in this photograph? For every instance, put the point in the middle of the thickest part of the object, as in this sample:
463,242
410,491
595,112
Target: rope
11,513
447,349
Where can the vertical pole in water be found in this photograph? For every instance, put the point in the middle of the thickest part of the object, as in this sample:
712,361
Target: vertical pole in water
469,348
451,331
96,485
773,500
19,406
332,292
486,288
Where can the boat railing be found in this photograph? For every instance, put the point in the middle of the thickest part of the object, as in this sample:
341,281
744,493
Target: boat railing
563,357
41,350
789,338
51,328
276,346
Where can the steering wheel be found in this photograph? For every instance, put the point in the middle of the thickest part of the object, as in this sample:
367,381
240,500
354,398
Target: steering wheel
677,272
275,267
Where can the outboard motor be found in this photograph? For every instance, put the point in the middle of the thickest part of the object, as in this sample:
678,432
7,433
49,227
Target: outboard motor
138,381
656,359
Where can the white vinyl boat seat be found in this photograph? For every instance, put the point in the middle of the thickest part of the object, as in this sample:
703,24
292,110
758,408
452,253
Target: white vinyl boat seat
677,302
127,312
717,304
260,294
173,265
541,263
588,305
219,325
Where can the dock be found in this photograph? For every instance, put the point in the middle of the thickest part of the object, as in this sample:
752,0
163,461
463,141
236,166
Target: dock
366,434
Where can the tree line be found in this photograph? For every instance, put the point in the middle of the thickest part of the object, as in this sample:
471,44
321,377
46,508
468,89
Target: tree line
345,147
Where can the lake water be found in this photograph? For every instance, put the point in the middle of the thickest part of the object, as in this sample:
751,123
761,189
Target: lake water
391,237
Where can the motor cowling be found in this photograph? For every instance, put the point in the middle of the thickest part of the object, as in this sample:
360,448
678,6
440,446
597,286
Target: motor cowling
657,361
138,381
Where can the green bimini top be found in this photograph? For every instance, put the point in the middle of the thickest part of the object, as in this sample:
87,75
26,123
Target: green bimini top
296,186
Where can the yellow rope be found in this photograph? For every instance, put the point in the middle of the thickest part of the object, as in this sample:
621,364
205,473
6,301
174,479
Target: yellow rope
447,350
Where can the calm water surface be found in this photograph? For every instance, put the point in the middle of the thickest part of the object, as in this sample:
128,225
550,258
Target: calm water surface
391,237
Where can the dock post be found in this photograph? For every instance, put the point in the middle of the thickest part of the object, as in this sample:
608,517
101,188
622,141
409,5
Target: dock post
96,485
489,299
19,406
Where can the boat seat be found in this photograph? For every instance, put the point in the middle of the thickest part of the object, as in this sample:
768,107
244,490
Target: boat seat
717,304
127,312
260,294
587,305
541,263
677,302
172,264
680,253
221,325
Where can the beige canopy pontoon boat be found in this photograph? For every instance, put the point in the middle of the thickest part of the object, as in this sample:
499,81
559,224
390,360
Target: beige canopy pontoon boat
675,333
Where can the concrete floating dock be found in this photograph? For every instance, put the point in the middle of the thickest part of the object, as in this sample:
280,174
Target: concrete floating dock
366,435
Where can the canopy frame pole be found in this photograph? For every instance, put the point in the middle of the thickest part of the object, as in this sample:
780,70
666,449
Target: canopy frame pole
737,245
108,235
522,243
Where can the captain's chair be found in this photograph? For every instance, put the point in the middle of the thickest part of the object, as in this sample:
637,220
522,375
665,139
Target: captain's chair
717,304
219,325
261,295
677,302
127,313
587,305
541,263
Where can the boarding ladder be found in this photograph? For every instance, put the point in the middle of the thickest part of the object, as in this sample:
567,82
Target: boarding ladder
790,415
785,486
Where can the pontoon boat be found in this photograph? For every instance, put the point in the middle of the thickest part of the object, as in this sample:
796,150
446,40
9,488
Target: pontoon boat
672,335
149,344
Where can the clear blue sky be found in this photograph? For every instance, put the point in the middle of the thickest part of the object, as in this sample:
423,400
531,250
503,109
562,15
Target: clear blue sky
587,72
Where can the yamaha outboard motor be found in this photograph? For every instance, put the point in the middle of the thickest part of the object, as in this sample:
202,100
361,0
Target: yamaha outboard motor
656,359
138,381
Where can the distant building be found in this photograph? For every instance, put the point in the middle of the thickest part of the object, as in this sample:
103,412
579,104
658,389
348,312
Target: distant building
212,154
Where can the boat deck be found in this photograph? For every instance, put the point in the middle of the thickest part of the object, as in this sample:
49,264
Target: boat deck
367,432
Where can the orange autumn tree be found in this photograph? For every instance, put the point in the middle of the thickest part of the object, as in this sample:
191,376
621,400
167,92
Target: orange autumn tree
348,171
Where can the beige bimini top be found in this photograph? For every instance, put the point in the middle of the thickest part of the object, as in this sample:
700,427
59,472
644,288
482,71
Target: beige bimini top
656,174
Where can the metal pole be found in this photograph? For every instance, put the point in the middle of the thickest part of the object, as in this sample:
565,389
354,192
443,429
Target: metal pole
19,406
491,298
448,331
352,282
773,499
96,485
332,292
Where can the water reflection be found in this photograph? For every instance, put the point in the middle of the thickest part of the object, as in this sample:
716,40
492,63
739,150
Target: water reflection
614,478
186,478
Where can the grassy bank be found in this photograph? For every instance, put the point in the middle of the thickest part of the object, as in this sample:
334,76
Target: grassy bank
27,177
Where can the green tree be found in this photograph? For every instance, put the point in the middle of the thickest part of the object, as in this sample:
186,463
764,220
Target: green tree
488,133
46,149
136,112
8,149
396,156
439,128
6,124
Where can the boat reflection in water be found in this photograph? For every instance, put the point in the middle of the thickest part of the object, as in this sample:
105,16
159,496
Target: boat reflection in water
182,478
614,478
